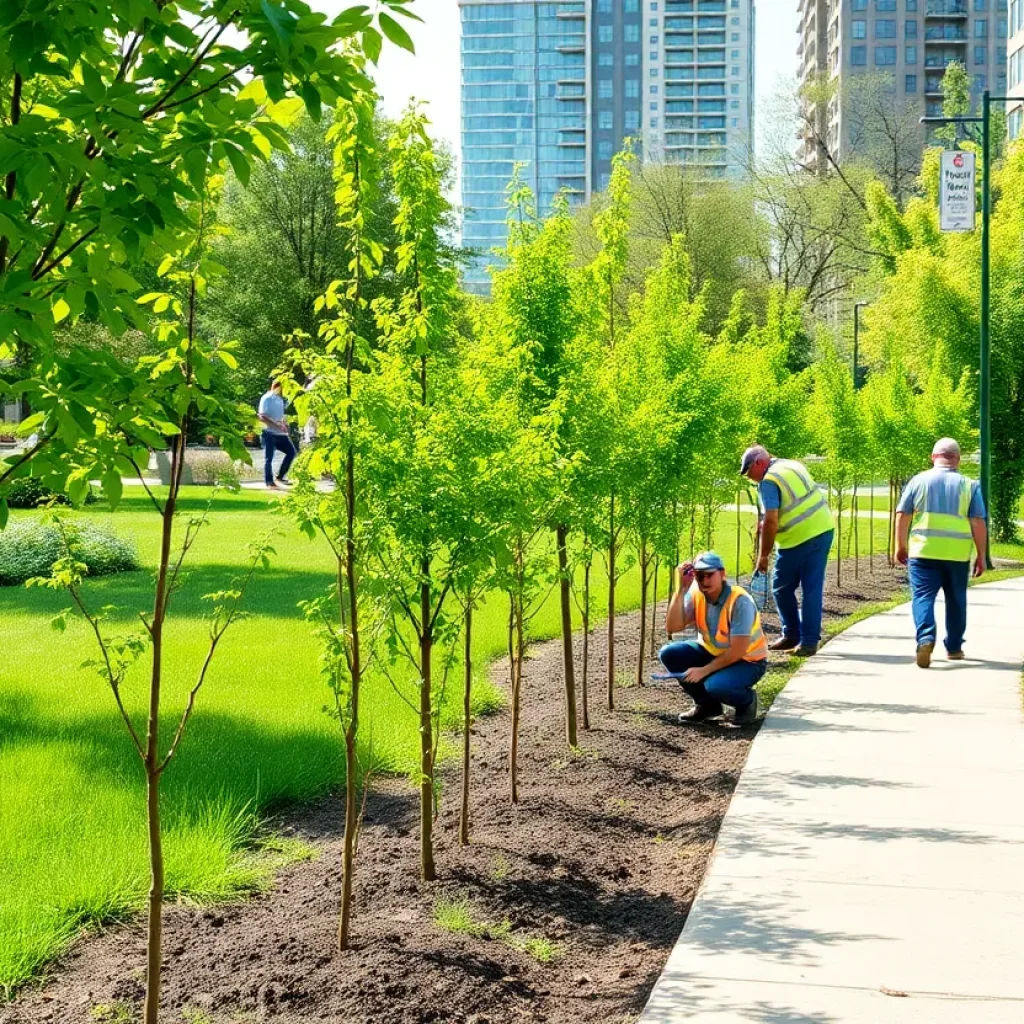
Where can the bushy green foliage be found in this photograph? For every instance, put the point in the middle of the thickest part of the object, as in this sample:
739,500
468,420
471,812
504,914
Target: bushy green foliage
29,548
922,337
28,492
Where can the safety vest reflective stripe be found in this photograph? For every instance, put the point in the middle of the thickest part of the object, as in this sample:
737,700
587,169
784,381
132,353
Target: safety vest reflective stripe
941,535
757,649
804,512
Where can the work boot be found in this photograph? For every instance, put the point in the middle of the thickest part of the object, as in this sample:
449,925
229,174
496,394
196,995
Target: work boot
924,654
784,643
747,715
806,651
703,706
955,656
701,713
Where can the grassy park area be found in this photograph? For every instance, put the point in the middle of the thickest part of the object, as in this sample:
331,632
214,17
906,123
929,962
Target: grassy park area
72,838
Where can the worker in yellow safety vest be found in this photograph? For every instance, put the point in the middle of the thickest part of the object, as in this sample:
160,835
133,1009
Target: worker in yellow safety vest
940,523
729,655
795,517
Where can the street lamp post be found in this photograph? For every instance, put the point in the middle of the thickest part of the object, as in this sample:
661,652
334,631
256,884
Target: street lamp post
857,306
985,383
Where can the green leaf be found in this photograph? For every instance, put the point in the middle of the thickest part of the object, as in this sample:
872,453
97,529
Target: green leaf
4,513
112,487
372,44
239,164
60,311
396,33
93,83
282,22
311,97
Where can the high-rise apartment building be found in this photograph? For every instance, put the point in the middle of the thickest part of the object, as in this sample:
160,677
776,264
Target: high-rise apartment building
909,41
555,86
1015,69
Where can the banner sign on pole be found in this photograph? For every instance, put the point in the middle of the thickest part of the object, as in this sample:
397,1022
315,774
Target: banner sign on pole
956,191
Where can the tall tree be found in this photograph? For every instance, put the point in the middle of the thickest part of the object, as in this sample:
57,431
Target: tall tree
341,516
417,513
113,116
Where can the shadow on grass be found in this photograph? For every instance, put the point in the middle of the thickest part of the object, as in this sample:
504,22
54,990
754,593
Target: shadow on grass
222,758
274,590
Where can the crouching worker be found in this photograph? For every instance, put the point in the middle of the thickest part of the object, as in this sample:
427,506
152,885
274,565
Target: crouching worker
730,654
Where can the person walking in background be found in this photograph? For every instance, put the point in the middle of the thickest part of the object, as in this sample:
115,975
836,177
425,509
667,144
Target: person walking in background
940,522
796,517
730,654
275,435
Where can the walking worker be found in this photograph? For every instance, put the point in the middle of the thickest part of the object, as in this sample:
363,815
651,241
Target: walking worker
730,654
794,516
275,436
940,522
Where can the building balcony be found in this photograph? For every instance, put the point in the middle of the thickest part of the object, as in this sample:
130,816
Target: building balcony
946,9
949,34
574,47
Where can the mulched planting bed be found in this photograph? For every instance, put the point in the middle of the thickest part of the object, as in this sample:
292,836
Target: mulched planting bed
574,897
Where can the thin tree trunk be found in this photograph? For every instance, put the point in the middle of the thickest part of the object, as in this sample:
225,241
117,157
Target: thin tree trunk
736,566
871,532
640,661
350,590
568,657
585,696
427,868
517,682
891,542
611,605
154,931
693,530
856,534
154,927
467,700
654,605
839,549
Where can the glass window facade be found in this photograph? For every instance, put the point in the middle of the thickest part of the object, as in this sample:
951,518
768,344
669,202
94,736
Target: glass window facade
523,102
530,98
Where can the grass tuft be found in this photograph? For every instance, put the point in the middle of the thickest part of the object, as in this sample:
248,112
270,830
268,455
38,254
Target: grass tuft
455,915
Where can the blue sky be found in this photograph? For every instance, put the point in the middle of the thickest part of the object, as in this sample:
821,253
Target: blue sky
432,74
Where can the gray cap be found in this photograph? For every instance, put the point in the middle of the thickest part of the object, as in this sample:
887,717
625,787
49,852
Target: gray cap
709,560
750,456
945,446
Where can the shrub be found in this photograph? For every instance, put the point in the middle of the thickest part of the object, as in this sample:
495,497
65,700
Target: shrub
27,492
30,547
213,468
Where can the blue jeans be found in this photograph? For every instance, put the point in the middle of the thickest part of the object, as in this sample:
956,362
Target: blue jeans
276,443
927,577
803,567
733,685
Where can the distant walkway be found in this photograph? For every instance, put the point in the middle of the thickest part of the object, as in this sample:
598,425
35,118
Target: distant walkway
871,865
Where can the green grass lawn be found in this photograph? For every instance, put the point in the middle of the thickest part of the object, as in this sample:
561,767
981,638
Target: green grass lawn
72,837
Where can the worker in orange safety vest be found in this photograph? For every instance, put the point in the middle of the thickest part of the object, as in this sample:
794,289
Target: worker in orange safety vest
730,654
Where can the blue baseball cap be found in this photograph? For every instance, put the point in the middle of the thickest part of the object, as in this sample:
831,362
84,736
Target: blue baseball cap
709,560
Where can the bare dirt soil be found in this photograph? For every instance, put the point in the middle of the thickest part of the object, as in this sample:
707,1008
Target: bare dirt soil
594,871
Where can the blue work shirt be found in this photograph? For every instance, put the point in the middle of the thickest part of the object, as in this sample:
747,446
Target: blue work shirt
272,406
743,612
768,493
938,490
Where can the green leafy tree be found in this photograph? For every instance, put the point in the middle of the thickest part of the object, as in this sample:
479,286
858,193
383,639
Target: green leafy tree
419,515
341,516
179,384
606,271
839,434
114,115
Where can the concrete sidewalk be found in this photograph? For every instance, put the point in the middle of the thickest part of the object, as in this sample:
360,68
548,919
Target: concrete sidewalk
871,865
